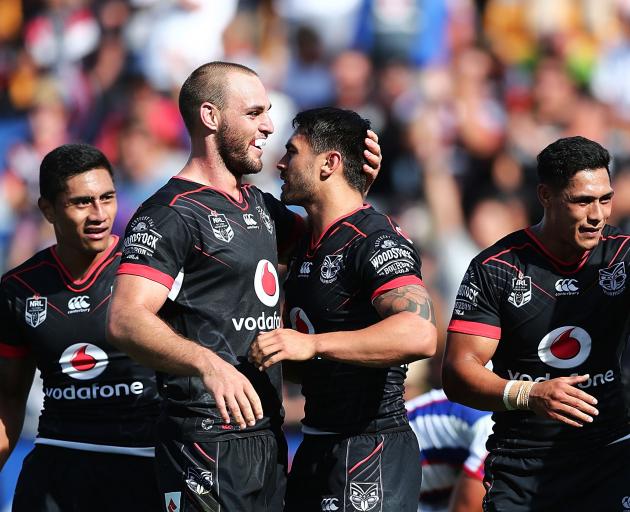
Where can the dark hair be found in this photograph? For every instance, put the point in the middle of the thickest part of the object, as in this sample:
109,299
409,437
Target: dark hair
206,83
562,159
67,161
327,129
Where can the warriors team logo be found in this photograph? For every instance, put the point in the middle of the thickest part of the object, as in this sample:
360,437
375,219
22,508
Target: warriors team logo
565,347
221,227
364,496
613,279
266,283
199,480
264,216
330,267
521,291
35,310
300,322
83,361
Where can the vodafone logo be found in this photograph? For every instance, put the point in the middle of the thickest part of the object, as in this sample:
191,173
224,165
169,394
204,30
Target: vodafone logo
83,361
565,347
266,283
300,322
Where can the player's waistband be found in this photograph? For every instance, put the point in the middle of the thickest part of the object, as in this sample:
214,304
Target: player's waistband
312,431
137,451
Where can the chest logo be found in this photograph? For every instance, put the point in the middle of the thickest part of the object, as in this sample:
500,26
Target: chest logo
248,218
567,287
79,304
613,279
35,310
305,269
565,347
521,291
364,496
221,227
83,361
264,216
300,322
266,283
330,268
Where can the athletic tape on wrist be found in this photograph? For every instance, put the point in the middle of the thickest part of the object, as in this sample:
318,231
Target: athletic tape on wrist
506,395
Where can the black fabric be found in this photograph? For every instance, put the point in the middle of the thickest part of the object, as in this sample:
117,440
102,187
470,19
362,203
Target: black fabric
379,472
247,474
57,479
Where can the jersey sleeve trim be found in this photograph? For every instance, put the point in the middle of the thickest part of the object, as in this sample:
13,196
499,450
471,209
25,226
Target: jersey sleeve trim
475,328
150,273
13,352
396,283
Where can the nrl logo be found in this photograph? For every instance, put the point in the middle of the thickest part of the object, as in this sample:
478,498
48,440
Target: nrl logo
364,496
521,291
613,279
35,310
221,227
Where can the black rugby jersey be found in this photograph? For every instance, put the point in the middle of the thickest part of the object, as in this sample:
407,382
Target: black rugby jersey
330,287
552,319
218,257
93,393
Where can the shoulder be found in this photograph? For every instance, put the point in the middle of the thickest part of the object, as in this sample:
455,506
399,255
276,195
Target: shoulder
510,246
41,258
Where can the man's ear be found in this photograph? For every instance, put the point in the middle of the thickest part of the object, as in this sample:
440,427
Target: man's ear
332,164
209,114
545,194
47,209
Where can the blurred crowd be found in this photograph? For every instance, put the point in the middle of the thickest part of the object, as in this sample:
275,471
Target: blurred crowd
463,94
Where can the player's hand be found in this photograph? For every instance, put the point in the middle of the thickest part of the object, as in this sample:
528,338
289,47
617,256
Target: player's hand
279,345
232,392
560,400
372,154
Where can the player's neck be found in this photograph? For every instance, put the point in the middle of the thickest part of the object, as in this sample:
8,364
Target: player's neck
558,248
78,263
330,208
210,173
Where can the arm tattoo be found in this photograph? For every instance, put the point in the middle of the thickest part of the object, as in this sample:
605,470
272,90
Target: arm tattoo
413,298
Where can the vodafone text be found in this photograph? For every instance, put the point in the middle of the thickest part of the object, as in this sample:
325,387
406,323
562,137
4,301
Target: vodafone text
262,323
594,380
94,391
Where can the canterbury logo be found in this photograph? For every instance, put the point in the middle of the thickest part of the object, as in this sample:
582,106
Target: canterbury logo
249,219
80,302
330,504
566,285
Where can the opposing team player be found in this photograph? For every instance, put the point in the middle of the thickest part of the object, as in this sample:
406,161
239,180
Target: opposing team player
359,312
198,281
549,305
95,444
452,452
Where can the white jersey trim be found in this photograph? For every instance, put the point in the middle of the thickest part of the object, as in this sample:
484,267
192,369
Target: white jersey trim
141,451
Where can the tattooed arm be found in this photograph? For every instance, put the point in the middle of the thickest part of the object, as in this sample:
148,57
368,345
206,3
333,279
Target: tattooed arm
405,333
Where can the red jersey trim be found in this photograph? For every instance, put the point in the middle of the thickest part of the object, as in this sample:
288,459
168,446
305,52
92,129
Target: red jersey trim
578,264
241,203
13,352
475,328
93,271
150,273
325,231
477,475
396,283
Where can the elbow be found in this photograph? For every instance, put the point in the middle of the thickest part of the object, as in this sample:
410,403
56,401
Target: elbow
450,382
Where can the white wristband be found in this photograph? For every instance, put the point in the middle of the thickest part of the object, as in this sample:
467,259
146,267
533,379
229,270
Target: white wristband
506,394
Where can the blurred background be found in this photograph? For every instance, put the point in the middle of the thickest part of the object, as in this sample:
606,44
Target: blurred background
463,94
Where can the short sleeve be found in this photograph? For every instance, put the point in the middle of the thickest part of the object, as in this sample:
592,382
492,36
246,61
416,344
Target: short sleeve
156,245
476,309
12,344
481,430
385,260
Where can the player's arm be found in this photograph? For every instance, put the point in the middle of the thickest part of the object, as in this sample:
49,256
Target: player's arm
134,326
16,377
467,495
406,333
466,380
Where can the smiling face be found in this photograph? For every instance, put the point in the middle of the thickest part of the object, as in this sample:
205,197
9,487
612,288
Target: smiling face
83,213
245,124
576,214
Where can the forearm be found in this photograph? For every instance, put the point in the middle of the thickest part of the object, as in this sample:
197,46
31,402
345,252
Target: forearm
467,381
11,422
153,343
400,338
